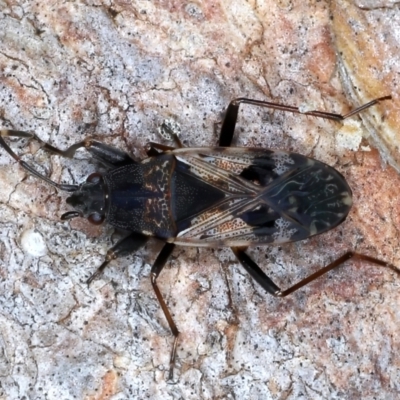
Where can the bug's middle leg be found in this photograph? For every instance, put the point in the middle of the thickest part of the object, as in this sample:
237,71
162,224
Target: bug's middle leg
260,277
166,130
155,272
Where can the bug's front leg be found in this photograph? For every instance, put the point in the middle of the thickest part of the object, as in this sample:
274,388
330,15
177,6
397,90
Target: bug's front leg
106,154
229,124
128,245
259,276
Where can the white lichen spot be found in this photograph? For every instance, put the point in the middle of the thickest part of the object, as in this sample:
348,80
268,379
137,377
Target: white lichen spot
306,107
121,362
32,242
350,135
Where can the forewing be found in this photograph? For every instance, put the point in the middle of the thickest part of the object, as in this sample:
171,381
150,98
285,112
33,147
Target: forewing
270,197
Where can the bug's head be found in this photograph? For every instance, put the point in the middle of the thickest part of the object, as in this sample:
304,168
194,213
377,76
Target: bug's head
88,200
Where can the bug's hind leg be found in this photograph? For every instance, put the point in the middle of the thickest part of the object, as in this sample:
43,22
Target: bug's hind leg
108,155
228,126
155,272
255,271
259,276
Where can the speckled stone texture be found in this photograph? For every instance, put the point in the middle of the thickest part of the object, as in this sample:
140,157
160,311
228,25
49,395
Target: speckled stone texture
115,71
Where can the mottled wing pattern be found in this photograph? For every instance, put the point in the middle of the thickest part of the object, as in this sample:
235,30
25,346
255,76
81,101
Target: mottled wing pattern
269,197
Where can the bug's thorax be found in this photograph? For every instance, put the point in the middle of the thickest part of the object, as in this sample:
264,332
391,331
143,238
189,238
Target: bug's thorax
157,197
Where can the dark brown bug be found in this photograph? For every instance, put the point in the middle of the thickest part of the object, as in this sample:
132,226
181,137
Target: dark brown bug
210,197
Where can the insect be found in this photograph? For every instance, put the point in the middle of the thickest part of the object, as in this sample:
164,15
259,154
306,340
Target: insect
248,197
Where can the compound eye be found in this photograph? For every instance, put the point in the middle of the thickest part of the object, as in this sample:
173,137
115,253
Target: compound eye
94,178
96,218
